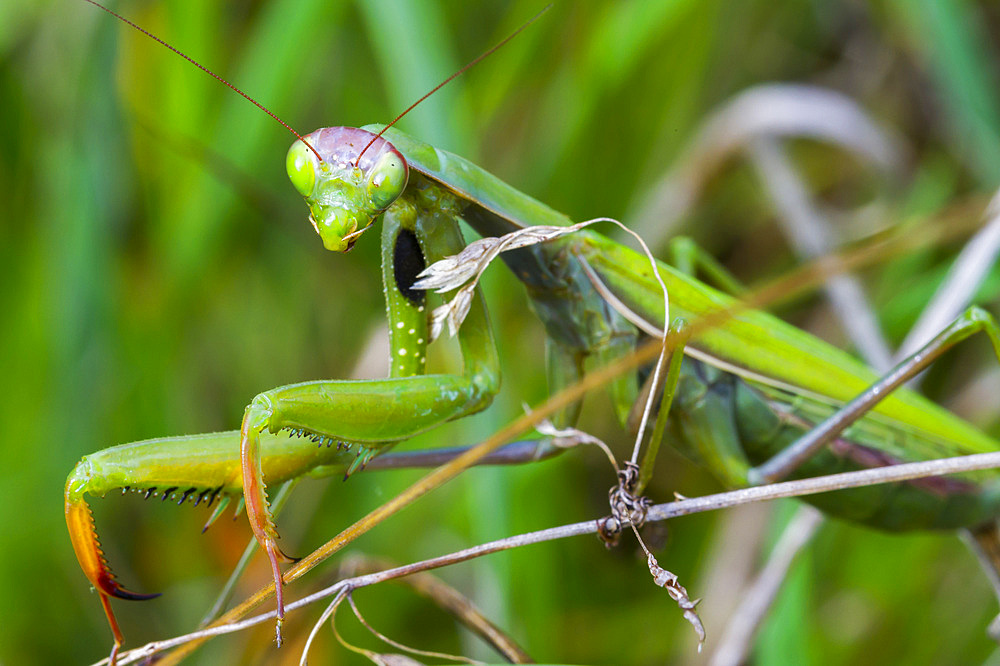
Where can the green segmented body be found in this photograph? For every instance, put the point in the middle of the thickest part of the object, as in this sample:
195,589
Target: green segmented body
748,387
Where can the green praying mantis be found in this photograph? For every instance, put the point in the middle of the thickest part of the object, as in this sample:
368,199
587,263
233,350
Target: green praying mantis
748,398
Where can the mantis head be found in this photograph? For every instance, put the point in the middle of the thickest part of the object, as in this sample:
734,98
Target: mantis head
345,194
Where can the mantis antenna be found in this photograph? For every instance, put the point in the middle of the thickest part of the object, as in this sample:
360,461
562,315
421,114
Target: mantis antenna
212,74
458,73
263,108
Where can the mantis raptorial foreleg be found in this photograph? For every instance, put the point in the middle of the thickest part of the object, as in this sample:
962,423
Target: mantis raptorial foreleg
369,414
377,413
194,468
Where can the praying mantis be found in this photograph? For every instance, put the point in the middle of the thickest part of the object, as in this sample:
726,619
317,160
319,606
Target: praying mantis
179,464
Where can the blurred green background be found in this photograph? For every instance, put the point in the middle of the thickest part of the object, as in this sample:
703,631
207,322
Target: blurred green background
158,271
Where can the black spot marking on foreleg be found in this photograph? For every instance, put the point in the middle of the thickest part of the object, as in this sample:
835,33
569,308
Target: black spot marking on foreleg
408,261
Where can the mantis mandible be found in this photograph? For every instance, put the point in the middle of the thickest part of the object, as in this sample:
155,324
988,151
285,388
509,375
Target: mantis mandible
740,401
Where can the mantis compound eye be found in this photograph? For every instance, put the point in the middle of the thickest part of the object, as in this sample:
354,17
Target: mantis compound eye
301,166
387,179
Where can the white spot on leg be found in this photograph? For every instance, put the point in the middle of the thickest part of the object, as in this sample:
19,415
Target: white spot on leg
402,352
399,324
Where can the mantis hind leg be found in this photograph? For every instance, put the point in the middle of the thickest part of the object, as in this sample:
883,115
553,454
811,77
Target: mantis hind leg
983,538
374,414
733,425
781,465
